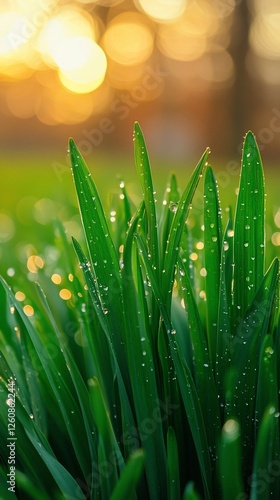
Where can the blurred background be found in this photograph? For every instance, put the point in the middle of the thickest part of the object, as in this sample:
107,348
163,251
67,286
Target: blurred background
194,73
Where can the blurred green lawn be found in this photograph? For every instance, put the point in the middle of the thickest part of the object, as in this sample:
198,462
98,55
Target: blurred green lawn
36,190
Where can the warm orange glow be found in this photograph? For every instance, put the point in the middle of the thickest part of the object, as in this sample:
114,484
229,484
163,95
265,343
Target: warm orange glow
56,279
129,39
82,64
265,35
28,310
277,218
65,294
163,10
187,39
68,22
34,263
20,296
275,238
63,62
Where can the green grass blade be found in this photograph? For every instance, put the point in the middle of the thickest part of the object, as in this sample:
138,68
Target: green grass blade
249,228
245,347
108,445
230,461
176,231
129,478
146,182
264,480
223,340
190,493
185,381
203,369
78,383
168,210
173,466
142,367
212,245
62,393
117,354
103,257
268,386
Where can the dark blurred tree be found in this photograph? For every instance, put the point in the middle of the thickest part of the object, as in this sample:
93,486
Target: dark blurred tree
242,94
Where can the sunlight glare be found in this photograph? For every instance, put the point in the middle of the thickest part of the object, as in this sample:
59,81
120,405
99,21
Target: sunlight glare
82,64
129,39
162,10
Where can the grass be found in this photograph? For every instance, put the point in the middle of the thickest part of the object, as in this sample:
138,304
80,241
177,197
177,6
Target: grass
157,375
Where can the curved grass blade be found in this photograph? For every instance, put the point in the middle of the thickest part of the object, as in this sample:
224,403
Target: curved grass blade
108,445
118,354
212,245
142,367
224,337
65,401
65,481
173,466
190,493
129,477
266,458
168,210
203,369
267,390
245,355
185,381
249,228
78,383
176,231
146,182
230,461
103,256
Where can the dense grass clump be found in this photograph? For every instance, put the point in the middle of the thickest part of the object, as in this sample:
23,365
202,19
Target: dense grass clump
159,378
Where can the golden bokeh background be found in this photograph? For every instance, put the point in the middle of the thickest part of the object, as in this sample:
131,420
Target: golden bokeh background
194,73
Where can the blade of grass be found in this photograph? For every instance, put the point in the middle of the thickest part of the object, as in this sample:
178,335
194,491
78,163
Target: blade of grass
108,445
129,478
124,395
103,257
141,366
202,365
67,404
168,210
223,340
212,245
176,230
78,383
245,349
145,177
267,389
173,466
265,484
249,228
230,461
185,380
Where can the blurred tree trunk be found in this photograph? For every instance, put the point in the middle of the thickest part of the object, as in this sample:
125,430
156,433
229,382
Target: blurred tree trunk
241,98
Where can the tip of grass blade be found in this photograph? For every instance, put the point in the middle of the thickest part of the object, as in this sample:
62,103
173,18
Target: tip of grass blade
250,140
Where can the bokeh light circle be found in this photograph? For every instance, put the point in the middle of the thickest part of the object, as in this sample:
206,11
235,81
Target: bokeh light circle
82,64
129,39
